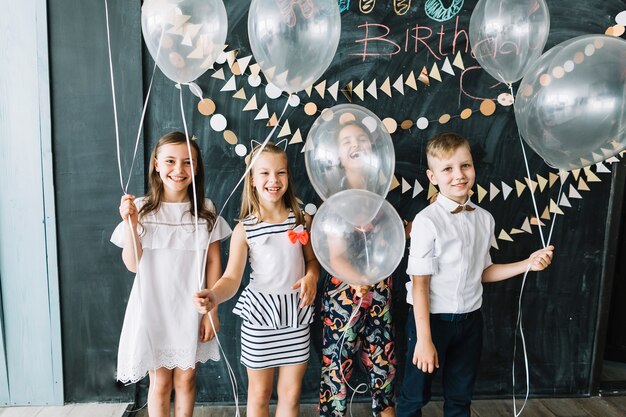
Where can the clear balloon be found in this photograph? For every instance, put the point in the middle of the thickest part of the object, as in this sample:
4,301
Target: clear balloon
507,36
353,242
349,147
571,105
293,41
184,37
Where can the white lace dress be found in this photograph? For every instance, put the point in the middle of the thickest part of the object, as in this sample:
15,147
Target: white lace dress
161,322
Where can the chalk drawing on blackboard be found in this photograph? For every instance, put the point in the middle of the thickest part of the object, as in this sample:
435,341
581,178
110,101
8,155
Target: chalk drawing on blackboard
440,13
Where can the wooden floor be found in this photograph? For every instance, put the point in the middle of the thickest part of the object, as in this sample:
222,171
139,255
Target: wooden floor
548,407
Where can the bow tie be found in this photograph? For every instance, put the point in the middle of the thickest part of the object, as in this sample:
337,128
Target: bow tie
298,234
461,208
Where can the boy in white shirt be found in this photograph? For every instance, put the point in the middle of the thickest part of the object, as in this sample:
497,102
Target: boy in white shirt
448,261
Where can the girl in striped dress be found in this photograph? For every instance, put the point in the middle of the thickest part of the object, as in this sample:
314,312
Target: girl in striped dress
276,306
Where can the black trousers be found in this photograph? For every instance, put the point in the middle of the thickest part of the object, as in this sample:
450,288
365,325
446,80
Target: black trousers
458,339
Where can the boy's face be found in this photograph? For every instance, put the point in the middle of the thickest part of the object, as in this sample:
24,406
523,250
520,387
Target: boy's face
454,174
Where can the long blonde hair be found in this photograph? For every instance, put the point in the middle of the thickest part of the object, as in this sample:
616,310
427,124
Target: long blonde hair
250,204
154,197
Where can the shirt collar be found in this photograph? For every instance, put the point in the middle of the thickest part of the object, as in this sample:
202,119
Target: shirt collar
449,204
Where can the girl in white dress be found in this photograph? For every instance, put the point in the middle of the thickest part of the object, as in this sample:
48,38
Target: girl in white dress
163,334
276,307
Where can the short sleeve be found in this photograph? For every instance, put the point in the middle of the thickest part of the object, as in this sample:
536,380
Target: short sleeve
221,229
492,238
422,256
117,238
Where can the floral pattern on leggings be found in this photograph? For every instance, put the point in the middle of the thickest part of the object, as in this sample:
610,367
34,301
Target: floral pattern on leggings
370,331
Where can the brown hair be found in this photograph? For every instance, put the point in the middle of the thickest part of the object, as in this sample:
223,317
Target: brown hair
154,197
250,204
443,144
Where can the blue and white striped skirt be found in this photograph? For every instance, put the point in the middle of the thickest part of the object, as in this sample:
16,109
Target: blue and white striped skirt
263,348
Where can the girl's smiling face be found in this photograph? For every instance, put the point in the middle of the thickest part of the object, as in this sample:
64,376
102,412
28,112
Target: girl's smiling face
270,177
174,167
354,144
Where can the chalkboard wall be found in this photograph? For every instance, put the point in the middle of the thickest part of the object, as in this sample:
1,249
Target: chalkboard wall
560,305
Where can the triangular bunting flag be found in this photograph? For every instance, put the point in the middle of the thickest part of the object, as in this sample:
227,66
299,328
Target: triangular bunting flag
296,138
308,90
385,87
243,63
532,185
542,182
399,84
432,190
321,88
230,85
602,169
434,72
347,91
493,191
552,177
520,187
504,236
263,114
219,74
359,90
591,177
506,190
417,188
241,94
334,90
394,183
410,81
255,69
576,173
612,160
582,185
423,77
526,226
372,90
515,231
231,56
458,61
494,244
447,68
405,186
251,105
564,201
273,121
285,130
563,175
573,193
535,222
554,208
546,214
481,193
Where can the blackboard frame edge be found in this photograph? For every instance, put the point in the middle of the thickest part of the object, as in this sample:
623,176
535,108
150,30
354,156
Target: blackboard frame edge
616,197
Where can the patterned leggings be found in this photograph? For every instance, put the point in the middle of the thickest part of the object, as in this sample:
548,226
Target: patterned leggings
371,331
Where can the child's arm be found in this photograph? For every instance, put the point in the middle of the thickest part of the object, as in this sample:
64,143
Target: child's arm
538,261
226,286
213,271
128,209
308,283
425,354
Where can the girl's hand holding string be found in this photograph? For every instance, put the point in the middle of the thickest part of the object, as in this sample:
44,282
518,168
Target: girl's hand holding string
128,208
541,259
308,289
208,331
205,301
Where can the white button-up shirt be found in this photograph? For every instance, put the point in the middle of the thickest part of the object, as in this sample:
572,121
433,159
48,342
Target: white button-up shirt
454,250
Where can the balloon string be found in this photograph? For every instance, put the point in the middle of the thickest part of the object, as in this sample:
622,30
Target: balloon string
341,342
518,325
532,191
231,373
193,189
367,254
